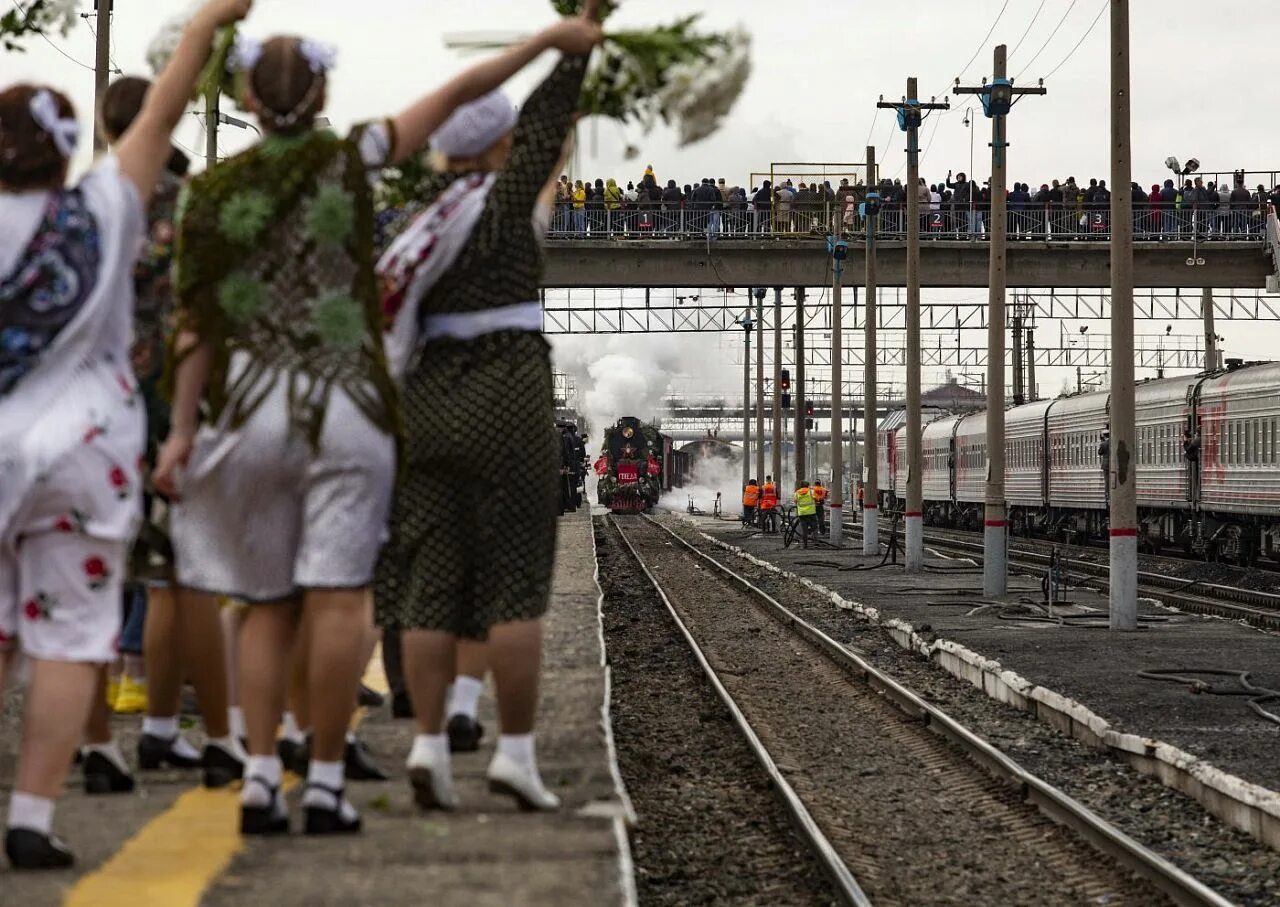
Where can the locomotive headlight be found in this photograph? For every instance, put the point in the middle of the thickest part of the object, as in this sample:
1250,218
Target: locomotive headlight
628,432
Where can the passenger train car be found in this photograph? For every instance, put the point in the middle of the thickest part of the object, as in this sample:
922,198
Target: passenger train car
637,465
1207,464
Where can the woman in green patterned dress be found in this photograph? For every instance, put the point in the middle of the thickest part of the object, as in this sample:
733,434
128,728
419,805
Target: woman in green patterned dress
285,488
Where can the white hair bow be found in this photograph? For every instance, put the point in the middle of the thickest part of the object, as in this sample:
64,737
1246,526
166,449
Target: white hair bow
65,132
322,57
246,53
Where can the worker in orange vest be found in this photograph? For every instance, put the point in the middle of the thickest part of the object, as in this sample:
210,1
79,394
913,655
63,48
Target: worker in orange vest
769,505
820,499
750,499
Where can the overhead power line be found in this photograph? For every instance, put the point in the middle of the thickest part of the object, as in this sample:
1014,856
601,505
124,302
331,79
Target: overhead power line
982,45
1057,28
1032,25
1096,19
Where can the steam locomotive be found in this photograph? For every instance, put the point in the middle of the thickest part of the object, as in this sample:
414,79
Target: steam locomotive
637,465
1207,464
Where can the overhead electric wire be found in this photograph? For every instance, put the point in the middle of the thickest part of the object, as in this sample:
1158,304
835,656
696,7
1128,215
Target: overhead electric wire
1034,18
981,46
26,16
1096,20
1052,35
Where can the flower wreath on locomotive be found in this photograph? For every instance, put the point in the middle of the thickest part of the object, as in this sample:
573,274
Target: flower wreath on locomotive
629,469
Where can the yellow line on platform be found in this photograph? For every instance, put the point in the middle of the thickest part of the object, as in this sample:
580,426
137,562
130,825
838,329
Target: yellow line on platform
176,856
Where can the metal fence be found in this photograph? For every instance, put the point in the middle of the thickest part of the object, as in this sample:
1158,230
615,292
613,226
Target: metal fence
801,220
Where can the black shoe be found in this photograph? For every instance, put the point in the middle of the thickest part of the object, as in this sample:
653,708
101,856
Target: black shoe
220,767
464,734
359,764
294,756
322,821
264,820
29,849
370,699
401,706
102,776
153,752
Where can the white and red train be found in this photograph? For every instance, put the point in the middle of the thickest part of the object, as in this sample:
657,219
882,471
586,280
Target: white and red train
1207,462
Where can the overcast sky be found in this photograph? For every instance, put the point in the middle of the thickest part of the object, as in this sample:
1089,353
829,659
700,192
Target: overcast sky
1203,80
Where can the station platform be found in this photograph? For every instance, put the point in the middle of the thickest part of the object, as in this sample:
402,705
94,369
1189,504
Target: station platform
1083,680
171,843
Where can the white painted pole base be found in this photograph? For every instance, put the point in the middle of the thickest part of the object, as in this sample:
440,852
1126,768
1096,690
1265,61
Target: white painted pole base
836,516
995,563
870,531
915,543
1124,579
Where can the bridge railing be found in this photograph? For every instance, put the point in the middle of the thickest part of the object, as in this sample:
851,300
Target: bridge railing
1056,224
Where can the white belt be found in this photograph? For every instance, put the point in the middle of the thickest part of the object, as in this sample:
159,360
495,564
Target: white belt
524,316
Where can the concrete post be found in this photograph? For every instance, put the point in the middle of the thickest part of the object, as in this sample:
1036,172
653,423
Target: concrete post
835,494
914,512
995,574
800,390
871,488
1124,500
1032,391
777,387
746,400
1210,333
102,70
760,291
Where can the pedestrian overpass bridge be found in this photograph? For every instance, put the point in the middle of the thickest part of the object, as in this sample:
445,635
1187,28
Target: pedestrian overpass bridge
750,261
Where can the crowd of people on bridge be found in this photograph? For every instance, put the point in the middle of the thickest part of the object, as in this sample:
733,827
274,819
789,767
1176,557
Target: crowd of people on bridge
952,207
291,416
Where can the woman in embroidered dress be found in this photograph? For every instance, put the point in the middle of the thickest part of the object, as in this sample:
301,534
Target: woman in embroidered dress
71,423
285,489
474,521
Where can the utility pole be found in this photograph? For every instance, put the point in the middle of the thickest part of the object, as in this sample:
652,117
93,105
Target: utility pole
1019,389
910,116
777,387
997,100
1031,364
871,487
746,396
800,398
839,251
102,69
1210,333
760,383
1124,498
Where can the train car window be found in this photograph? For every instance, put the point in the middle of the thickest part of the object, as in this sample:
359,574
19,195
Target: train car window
1274,441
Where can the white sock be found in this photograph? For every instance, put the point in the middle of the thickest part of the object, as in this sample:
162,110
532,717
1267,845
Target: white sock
519,749
464,696
268,769
235,719
229,744
109,751
330,776
289,729
31,812
430,751
164,728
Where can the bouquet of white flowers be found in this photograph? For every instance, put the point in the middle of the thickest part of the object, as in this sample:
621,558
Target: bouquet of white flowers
673,73
217,75
39,18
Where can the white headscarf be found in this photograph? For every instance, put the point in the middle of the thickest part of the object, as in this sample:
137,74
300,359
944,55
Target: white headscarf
474,127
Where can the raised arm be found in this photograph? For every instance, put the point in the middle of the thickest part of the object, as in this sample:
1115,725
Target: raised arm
415,125
144,149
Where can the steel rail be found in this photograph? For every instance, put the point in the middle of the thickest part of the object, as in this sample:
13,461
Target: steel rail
841,876
1261,609
1182,888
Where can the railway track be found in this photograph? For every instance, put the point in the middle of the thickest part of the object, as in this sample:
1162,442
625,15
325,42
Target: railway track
900,802
1258,608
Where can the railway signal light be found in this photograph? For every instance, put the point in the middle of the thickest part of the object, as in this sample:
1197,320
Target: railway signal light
786,379
786,401
808,409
